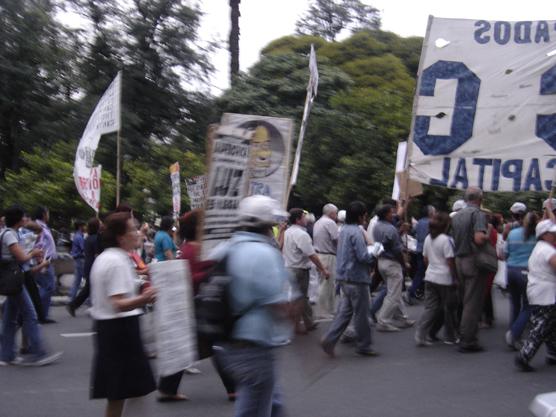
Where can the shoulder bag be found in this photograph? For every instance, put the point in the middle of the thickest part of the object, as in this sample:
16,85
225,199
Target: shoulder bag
11,276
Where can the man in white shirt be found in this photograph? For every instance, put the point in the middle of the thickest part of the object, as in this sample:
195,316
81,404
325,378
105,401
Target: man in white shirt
298,254
325,241
541,293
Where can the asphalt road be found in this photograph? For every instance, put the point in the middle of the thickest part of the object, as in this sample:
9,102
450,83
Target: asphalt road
403,381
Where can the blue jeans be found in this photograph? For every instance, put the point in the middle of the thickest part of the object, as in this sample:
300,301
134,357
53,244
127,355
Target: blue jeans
419,276
354,303
520,311
253,370
47,286
379,298
77,277
16,306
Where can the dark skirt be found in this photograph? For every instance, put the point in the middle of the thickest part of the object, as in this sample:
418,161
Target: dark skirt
120,367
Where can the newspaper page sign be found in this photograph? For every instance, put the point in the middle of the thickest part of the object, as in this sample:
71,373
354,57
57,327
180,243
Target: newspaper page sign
176,341
176,189
228,182
270,153
105,119
485,107
196,190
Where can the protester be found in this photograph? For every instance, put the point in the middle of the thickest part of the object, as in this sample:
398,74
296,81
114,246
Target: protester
78,255
469,228
46,278
487,317
519,246
421,232
353,264
20,305
164,246
440,282
91,250
298,254
258,296
120,368
392,267
541,293
325,241
517,211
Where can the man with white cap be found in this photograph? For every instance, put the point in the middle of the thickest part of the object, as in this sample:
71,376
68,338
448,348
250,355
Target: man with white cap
541,292
259,301
325,241
518,211
457,206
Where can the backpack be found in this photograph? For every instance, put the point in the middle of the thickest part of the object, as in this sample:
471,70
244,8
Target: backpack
213,311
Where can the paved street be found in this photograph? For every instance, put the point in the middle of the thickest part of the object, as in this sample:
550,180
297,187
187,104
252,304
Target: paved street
403,381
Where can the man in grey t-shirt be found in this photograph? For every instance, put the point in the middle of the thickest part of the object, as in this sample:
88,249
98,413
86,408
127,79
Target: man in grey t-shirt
469,229
391,267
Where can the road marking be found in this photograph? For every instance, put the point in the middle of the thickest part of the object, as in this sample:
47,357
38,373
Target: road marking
88,334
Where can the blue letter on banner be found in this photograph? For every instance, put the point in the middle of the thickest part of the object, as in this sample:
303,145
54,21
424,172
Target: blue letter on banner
546,123
463,119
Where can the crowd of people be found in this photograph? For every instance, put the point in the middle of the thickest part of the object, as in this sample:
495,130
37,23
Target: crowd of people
368,271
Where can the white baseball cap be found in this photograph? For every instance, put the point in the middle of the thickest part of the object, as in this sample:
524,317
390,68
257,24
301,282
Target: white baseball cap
458,205
259,210
545,226
342,216
518,208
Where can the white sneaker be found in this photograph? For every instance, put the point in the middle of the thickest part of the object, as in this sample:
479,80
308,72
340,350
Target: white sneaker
44,360
385,327
16,361
192,370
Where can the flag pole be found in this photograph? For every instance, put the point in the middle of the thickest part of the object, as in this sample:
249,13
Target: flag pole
119,147
118,173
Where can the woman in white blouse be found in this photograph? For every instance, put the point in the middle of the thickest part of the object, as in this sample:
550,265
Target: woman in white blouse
120,368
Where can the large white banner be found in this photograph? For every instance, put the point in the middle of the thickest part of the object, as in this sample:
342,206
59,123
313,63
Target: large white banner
105,119
228,182
270,153
485,107
176,337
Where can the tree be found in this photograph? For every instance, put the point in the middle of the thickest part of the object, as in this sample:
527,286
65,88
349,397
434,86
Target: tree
327,18
362,111
34,77
234,40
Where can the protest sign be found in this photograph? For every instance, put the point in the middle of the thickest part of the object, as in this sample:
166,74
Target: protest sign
105,119
403,187
196,190
176,188
484,111
270,151
228,182
176,340
312,88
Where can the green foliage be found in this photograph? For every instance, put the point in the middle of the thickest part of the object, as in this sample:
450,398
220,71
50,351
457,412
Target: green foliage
327,18
46,178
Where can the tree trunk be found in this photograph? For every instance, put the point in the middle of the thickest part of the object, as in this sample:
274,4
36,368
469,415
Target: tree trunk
234,40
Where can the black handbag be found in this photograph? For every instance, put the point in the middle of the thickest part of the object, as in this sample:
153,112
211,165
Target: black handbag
486,258
11,276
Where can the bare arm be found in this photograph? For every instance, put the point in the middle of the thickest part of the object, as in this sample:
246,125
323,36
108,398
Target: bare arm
453,271
169,255
315,259
18,253
552,262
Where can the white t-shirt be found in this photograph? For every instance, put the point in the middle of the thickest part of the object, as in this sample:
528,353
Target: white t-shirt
298,246
112,274
437,251
9,238
541,280
372,223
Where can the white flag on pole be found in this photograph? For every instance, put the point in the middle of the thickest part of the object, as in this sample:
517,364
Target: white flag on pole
312,88
105,119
